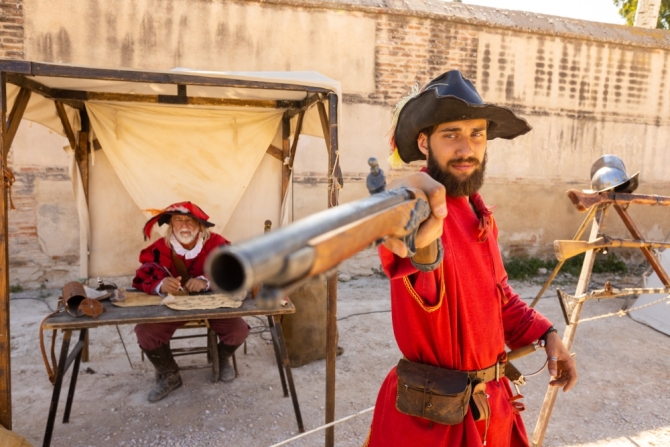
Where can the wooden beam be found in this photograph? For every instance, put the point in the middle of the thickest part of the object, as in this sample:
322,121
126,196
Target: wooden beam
285,153
331,294
635,232
296,136
69,133
5,348
15,116
275,152
569,334
82,150
69,71
41,89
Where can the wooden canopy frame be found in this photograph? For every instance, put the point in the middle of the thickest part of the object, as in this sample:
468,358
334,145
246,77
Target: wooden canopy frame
22,74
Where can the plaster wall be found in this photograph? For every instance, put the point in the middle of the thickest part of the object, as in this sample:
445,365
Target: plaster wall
586,88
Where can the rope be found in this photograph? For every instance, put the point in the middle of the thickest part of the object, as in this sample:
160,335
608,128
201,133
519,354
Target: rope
621,313
323,427
7,182
333,177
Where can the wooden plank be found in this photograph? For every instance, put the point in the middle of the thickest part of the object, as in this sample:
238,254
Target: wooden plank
14,66
41,89
114,315
15,117
569,334
296,137
60,109
285,153
331,314
82,150
70,71
5,348
635,232
275,152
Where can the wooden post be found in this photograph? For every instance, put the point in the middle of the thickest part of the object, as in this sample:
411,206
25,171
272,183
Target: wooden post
330,134
578,235
15,117
5,349
285,151
569,334
632,228
81,157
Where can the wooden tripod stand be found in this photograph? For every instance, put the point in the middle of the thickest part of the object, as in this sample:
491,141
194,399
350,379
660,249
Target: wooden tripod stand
596,216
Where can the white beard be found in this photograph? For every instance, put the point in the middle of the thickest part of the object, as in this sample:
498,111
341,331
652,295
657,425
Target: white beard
185,237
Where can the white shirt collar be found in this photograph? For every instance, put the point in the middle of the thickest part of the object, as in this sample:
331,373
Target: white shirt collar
181,251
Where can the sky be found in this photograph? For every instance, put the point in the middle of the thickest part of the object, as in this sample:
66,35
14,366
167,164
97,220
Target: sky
593,10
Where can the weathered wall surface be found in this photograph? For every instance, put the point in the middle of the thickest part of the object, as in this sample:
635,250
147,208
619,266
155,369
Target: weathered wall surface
586,88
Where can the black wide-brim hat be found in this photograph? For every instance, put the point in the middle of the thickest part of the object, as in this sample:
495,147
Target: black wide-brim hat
450,97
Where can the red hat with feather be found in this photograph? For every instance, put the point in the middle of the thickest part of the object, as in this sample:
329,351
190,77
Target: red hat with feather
163,217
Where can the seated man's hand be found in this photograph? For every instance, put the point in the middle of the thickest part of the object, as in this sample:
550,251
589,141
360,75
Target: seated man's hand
196,285
431,228
561,365
171,285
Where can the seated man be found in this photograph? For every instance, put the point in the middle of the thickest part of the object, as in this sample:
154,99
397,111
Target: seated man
171,265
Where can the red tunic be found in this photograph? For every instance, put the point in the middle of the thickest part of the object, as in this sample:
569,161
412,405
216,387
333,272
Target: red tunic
460,316
159,255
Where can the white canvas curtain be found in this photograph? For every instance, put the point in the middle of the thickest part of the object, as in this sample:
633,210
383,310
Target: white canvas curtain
164,154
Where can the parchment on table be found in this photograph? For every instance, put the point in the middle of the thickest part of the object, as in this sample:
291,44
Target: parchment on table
201,302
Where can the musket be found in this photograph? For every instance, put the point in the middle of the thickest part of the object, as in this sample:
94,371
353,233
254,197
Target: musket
284,259
569,302
583,200
569,248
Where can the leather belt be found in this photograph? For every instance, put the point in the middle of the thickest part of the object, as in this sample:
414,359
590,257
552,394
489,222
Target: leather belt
494,372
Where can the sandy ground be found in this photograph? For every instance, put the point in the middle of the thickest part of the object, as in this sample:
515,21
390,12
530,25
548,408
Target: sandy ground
622,398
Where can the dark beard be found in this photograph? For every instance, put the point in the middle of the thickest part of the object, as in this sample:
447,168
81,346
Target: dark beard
455,186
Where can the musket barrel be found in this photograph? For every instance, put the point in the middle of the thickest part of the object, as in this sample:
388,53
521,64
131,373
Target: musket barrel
284,255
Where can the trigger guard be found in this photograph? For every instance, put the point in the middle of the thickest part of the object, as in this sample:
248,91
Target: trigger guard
420,213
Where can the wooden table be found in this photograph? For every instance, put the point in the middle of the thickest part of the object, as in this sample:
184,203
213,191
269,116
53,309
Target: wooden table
114,315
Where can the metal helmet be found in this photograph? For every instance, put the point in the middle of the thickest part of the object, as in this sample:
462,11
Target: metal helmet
609,173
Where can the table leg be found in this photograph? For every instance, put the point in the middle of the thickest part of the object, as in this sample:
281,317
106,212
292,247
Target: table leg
289,375
56,393
278,356
214,353
83,338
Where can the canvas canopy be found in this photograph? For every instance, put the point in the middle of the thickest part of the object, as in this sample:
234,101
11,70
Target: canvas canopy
97,108
154,154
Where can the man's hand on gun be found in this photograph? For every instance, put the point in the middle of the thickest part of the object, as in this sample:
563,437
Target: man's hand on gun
431,228
561,365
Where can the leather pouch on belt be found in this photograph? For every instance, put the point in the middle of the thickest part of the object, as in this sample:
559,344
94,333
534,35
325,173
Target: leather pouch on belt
479,402
437,394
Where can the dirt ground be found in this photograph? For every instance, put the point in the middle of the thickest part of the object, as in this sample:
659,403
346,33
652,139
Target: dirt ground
622,398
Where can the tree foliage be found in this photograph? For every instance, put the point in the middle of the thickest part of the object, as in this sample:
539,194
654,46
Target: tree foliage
627,10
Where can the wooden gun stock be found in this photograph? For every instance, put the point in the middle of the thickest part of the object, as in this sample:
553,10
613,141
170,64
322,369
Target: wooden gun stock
583,200
568,249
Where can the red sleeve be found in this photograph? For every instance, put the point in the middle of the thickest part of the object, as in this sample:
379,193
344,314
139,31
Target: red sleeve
148,276
522,324
394,266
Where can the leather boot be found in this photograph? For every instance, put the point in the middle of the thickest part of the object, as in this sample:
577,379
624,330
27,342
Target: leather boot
226,370
167,372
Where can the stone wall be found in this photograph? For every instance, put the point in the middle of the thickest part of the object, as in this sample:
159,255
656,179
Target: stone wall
12,37
586,88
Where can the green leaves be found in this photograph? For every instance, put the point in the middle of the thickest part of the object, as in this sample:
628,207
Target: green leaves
627,10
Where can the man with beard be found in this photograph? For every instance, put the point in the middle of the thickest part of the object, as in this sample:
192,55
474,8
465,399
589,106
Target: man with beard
174,264
453,311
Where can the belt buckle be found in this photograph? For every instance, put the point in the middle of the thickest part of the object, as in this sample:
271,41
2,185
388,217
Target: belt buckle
497,371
